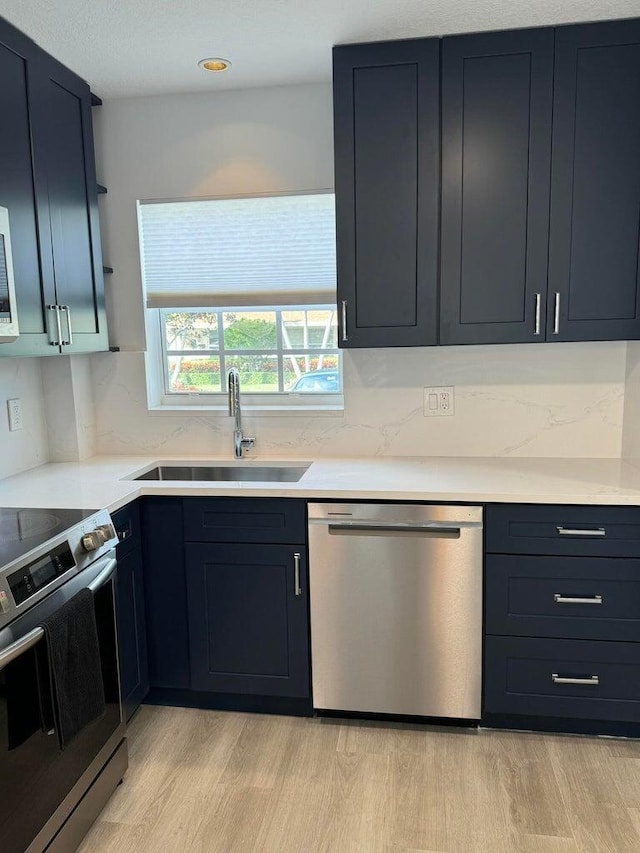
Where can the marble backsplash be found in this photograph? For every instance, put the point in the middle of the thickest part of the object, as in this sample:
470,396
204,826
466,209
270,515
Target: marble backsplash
558,400
28,447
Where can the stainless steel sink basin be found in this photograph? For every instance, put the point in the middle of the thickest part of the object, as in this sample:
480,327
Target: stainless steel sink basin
227,473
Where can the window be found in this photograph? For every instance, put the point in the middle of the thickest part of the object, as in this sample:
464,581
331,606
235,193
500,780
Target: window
277,350
246,283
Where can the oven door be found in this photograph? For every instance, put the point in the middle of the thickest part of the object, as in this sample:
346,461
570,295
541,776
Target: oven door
40,784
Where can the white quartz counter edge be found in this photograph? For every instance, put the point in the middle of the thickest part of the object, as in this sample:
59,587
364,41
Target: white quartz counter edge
103,482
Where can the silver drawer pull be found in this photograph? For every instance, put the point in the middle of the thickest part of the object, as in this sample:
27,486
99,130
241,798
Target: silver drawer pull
67,312
345,337
556,315
589,681
297,589
572,531
573,599
56,311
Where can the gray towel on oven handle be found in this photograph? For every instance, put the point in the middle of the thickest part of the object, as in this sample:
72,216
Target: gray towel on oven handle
74,662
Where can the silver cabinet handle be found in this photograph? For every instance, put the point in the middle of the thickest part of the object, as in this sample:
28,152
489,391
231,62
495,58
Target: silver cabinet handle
572,531
56,310
573,599
67,312
296,574
536,328
589,681
556,315
345,337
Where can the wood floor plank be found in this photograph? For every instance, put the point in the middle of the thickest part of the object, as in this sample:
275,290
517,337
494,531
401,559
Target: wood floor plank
607,829
546,844
257,756
527,776
582,767
418,803
384,738
626,773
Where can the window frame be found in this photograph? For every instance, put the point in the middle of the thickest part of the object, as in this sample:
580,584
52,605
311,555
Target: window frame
261,401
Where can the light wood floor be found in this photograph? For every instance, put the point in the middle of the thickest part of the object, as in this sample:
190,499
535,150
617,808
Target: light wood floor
215,781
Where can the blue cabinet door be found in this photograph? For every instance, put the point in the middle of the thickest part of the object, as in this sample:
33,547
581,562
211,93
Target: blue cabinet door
497,91
594,276
248,619
132,639
63,151
387,140
165,592
23,191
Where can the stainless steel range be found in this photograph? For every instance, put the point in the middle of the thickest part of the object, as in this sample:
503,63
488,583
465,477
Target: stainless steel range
50,791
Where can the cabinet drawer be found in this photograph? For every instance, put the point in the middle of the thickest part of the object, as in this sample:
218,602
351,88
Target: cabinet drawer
573,530
573,597
127,524
562,678
259,520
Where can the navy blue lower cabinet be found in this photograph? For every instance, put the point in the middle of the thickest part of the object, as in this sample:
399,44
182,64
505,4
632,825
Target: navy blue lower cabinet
595,598
575,531
132,640
165,593
130,609
574,679
248,619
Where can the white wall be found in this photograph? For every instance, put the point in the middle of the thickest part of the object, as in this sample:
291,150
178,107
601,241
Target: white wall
69,408
22,378
631,423
178,146
533,400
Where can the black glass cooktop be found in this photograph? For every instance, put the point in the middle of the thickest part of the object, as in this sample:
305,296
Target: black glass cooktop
21,530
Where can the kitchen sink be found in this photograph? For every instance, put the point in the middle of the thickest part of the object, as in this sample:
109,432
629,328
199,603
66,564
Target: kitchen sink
227,473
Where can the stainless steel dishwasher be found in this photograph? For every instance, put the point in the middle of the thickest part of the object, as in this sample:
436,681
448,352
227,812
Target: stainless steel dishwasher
396,608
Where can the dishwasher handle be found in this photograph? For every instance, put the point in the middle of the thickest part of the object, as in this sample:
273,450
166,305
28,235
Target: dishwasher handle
385,529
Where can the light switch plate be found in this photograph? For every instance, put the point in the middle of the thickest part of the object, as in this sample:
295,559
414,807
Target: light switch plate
439,401
14,409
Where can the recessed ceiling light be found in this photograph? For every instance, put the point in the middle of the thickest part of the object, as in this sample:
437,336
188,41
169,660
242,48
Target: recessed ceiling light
214,63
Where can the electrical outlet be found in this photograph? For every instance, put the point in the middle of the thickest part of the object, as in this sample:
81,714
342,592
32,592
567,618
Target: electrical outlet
14,408
439,401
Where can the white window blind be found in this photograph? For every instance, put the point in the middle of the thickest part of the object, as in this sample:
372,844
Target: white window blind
267,250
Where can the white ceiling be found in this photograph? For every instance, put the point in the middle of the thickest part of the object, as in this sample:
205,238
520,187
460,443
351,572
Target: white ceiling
143,47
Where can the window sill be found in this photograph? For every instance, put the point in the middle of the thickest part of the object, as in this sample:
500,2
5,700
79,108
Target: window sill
329,411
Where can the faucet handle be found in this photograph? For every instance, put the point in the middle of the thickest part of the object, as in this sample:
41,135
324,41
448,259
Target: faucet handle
248,443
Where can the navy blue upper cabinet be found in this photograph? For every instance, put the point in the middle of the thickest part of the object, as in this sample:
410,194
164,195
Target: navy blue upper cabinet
386,124
497,91
63,149
48,185
20,188
594,283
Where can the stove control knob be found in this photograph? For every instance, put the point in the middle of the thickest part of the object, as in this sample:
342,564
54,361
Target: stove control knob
106,532
92,541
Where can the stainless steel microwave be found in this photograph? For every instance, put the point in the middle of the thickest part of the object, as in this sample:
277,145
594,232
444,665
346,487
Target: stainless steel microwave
9,330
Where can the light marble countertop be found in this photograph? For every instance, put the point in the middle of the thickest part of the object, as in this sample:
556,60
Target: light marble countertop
104,481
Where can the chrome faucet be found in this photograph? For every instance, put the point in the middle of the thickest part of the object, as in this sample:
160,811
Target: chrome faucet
239,442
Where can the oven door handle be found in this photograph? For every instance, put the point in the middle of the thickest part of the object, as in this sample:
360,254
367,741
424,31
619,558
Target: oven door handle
34,636
20,646
101,579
